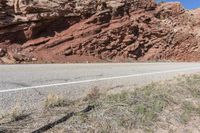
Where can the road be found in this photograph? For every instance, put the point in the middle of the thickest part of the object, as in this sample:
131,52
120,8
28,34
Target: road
30,84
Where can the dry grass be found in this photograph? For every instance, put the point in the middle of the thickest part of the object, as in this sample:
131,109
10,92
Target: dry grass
147,109
1,114
126,110
189,109
17,113
171,106
92,95
54,100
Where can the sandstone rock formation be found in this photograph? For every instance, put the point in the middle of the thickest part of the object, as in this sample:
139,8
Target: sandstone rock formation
93,30
5,13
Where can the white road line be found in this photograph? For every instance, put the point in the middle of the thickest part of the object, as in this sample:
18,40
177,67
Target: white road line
100,79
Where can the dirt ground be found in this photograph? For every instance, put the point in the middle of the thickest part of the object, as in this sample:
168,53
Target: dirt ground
169,106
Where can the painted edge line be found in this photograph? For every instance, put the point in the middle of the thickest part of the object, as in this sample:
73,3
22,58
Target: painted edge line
100,79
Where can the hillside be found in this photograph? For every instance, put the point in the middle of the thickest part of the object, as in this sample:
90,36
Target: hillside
61,31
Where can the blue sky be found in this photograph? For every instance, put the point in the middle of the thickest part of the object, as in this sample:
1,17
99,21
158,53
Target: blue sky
188,4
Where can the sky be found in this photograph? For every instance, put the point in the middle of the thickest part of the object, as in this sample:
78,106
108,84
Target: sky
188,4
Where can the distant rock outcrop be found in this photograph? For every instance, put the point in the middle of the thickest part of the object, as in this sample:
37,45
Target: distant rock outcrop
97,30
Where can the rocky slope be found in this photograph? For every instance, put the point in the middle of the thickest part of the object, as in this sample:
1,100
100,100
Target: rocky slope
42,31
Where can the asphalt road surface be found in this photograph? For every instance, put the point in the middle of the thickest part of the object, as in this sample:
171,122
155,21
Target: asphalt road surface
28,85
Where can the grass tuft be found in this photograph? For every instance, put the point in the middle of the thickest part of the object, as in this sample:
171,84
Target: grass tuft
189,110
54,100
93,95
17,113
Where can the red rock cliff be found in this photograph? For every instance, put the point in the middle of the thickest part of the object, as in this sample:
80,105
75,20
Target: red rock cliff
91,30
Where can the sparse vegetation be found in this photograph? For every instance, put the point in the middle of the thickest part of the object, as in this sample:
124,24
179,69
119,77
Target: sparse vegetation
54,100
126,110
14,120
14,115
142,109
171,106
189,110
17,114
93,95
1,114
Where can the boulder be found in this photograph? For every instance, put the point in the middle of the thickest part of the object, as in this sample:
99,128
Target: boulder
19,57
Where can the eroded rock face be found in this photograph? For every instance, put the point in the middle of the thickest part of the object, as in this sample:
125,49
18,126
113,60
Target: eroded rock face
94,30
170,9
2,52
6,12
28,19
